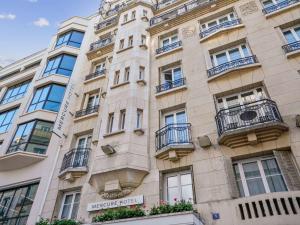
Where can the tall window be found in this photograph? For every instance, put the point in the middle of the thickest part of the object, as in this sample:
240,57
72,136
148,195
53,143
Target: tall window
70,205
62,64
258,175
130,41
71,38
169,40
122,119
100,67
117,77
6,119
145,12
15,92
133,13
16,203
33,136
110,123
121,46
125,18
142,73
139,118
143,39
178,186
292,34
171,75
48,97
127,74
222,19
93,101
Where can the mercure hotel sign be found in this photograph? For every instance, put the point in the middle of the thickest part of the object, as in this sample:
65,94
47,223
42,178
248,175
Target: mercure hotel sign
134,200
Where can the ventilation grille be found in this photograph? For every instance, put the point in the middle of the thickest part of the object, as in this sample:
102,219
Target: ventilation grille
269,207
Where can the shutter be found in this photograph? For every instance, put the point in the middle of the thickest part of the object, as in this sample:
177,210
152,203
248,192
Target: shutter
233,189
289,169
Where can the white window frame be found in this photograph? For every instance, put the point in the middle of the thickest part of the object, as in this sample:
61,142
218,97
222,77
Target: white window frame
72,204
170,40
125,18
174,115
292,30
230,16
139,118
121,46
143,39
110,123
101,66
127,74
133,15
95,100
178,174
172,69
122,119
130,41
116,77
261,170
275,2
240,47
86,138
141,73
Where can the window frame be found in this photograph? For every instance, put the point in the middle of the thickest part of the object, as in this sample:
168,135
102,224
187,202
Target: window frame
73,193
15,111
172,69
122,119
68,41
117,77
174,114
127,74
48,72
204,26
294,33
100,65
130,41
139,119
110,123
10,90
121,45
169,38
141,73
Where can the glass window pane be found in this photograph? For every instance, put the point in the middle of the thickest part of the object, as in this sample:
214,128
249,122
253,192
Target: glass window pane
187,193
186,179
297,30
251,170
255,186
289,36
172,181
173,194
221,58
234,54
177,74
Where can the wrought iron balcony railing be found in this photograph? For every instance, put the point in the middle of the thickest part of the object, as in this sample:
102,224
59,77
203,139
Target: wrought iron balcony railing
170,85
77,157
179,11
169,47
205,32
106,23
247,115
291,47
235,64
173,134
101,43
95,74
165,3
87,111
279,5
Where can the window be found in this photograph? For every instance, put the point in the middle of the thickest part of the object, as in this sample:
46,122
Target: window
292,34
169,40
70,205
121,44
127,73
122,119
6,119
71,38
48,97
225,18
110,123
100,67
143,40
139,118
258,175
178,187
232,54
268,3
15,92
33,136
145,12
171,75
117,77
16,203
93,101
62,64
142,73
130,41
125,19
84,142
133,15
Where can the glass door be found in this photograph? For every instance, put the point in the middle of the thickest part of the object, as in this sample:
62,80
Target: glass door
83,146
177,131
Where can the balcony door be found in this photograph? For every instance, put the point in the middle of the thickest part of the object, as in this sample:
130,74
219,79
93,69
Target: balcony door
172,77
169,40
83,145
93,101
100,67
177,131
292,34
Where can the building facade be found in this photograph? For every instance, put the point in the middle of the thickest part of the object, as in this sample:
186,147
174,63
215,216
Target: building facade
145,102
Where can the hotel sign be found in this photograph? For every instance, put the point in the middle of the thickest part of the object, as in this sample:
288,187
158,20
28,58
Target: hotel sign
135,200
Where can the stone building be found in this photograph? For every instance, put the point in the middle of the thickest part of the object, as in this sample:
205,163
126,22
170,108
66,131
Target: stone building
146,102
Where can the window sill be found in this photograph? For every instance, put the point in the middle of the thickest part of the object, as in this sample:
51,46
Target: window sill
281,10
129,21
53,78
41,114
10,105
94,79
141,82
221,31
169,52
139,131
86,117
114,133
181,88
293,54
119,85
143,46
124,49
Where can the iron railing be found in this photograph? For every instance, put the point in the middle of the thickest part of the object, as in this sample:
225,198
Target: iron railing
168,47
214,29
87,111
170,85
106,23
247,115
291,47
179,11
95,74
279,5
173,134
232,65
77,157
101,43
164,3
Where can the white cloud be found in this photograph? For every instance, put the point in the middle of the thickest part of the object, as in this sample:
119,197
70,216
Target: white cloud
41,22
8,16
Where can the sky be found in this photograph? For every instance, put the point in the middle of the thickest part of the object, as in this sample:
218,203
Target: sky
26,26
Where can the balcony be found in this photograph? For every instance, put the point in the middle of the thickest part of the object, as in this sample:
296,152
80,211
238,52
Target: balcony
225,68
174,141
292,49
87,111
280,6
106,24
219,28
170,86
250,124
101,47
75,164
95,75
169,48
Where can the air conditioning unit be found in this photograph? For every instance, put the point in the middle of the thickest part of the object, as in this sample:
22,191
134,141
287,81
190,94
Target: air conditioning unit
108,149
